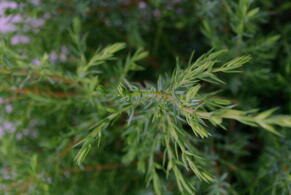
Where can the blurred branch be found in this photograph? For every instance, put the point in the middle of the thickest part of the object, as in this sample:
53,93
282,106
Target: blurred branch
52,76
93,168
127,5
67,149
58,94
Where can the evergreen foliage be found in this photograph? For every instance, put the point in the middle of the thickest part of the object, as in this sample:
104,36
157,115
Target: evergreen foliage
101,97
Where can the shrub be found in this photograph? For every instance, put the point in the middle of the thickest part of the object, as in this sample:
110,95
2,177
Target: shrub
103,97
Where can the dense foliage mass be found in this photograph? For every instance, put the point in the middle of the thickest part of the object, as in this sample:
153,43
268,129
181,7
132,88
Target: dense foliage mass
145,97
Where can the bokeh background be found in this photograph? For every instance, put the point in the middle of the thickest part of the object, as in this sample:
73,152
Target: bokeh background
249,160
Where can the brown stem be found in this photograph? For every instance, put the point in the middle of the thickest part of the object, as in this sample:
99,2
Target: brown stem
172,100
25,186
11,186
67,149
92,168
129,4
10,99
52,76
58,94
26,183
